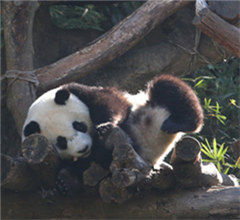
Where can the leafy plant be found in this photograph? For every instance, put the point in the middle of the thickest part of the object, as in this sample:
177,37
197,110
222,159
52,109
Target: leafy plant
213,110
218,156
76,17
98,16
218,90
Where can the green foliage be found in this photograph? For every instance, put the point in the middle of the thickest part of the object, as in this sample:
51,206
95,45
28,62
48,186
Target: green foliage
213,110
76,17
95,16
218,88
218,156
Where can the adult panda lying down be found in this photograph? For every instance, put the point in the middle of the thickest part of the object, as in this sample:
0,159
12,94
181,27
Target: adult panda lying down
70,116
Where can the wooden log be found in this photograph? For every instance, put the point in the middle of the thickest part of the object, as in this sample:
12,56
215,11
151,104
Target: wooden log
109,192
127,167
162,178
219,30
114,43
16,174
226,9
191,172
94,174
43,159
203,203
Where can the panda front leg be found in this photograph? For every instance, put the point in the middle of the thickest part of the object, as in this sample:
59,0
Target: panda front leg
171,93
103,131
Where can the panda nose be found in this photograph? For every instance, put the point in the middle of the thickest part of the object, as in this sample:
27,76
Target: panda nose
84,149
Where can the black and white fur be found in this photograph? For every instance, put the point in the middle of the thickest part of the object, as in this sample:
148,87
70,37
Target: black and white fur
154,120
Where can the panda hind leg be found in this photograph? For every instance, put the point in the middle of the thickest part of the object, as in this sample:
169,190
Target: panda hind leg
171,93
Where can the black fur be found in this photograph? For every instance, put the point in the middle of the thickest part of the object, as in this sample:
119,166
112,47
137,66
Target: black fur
31,128
104,104
61,97
80,126
61,143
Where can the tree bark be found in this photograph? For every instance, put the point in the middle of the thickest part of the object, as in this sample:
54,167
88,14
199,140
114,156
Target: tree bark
18,21
42,158
114,43
216,202
219,30
16,174
179,51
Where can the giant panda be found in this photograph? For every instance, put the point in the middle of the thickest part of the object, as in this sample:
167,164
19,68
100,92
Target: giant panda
70,115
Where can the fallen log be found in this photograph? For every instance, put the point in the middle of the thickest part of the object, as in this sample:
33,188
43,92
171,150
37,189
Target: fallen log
205,203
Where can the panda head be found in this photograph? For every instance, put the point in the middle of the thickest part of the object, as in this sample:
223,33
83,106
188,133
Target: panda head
64,120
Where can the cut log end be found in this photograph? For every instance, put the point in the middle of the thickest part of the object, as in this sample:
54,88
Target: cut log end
35,148
187,150
42,158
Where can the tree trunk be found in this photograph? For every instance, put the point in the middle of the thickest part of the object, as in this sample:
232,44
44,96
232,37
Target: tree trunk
17,21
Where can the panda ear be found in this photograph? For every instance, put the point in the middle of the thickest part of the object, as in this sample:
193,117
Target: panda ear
31,128
61,96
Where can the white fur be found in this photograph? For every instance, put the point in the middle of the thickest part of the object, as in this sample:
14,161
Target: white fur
153,143
56,120
137,100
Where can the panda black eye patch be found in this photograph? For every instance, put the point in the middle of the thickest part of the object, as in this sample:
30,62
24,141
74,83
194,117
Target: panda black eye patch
62,142
80,126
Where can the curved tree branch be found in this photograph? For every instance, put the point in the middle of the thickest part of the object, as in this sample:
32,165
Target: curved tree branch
114,43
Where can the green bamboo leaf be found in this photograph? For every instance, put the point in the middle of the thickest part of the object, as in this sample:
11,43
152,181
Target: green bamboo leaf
207,160
215,151
226,171
219,167
199,83
220,150
207,154
224,151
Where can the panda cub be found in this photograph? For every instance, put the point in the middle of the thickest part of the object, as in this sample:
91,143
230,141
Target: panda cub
153,120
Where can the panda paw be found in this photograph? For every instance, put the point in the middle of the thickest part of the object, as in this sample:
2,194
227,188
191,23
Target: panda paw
61,186
171,127
103,130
